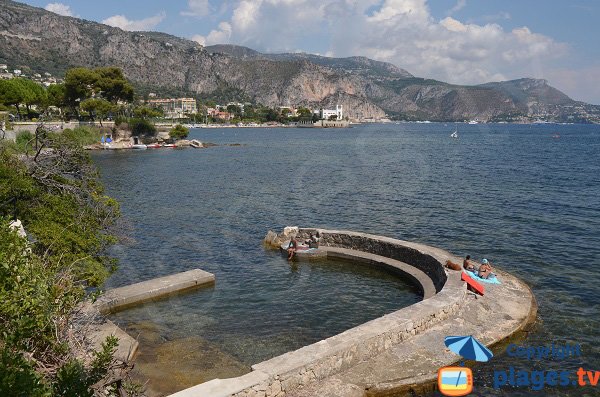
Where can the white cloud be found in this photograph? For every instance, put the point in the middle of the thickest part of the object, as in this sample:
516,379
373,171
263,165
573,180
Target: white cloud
219,36
399,31
197,8
121,21
460,4
199,39
60,9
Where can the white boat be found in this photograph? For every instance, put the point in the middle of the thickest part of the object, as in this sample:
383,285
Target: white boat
139,146
455,133
196,144
473,122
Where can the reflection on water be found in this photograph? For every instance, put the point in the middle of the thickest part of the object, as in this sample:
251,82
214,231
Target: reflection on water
509,193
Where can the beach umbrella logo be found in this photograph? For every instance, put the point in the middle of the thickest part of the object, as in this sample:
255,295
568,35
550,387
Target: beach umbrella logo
458,381
468,347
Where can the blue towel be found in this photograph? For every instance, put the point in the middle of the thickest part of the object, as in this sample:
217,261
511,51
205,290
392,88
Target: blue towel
492,280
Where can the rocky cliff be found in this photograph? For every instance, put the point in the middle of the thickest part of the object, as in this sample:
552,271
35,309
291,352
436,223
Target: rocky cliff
44,41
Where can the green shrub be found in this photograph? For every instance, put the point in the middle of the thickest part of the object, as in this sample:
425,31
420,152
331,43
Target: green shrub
141,127
62,206
24,141
83,135
179,132
120,120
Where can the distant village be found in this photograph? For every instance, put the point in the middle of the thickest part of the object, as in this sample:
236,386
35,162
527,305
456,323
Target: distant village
188,110
46,79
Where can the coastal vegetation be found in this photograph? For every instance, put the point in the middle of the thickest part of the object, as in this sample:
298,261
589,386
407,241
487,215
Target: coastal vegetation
179,132
101,94
48,182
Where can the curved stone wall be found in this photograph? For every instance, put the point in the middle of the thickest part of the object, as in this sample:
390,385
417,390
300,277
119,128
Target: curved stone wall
416,255
444,294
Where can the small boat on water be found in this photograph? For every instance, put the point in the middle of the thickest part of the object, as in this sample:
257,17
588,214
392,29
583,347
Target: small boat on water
196,144
169,145
455,133
139,146
154,146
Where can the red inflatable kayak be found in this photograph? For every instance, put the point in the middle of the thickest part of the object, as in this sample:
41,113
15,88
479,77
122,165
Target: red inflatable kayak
472,285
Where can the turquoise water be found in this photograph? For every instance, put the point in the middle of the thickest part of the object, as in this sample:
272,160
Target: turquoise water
511,193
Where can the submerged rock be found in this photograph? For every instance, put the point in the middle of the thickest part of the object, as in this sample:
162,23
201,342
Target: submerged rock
167,366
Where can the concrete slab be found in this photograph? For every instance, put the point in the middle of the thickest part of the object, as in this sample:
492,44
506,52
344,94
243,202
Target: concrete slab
224,387
124,297
95,328
127,345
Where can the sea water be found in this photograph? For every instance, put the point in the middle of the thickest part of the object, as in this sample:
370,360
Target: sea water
526,197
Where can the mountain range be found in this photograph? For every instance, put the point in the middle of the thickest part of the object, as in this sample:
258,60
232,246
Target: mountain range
40,41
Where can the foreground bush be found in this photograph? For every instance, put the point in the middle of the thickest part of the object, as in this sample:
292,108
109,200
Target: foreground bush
55,192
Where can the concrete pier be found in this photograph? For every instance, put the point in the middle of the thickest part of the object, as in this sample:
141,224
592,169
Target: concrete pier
397,354
96,327
135,294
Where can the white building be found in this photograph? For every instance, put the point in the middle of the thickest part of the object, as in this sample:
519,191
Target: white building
325,114
175,107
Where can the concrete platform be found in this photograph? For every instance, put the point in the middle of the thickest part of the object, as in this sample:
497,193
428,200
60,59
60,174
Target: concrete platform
158,288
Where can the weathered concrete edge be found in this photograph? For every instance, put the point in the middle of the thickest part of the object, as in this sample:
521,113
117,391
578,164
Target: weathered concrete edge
317,361
96,328
135,294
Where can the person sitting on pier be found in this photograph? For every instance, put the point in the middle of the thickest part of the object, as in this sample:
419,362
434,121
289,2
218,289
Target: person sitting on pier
309,239
292,247
313,240
468,265
485,270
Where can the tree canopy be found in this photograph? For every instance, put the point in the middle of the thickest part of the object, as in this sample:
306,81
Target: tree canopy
19,91
179,132
98,108
108,83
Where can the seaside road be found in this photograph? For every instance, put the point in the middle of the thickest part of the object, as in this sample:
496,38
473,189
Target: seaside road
411,366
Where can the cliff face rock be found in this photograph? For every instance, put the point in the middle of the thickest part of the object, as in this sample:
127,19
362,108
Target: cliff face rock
44,41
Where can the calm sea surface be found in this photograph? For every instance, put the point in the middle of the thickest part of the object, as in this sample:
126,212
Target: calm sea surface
528,202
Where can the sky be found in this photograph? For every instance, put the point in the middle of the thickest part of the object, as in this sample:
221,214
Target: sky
458,41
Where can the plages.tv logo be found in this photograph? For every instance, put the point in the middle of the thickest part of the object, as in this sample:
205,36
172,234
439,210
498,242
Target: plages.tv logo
455,381
458,381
